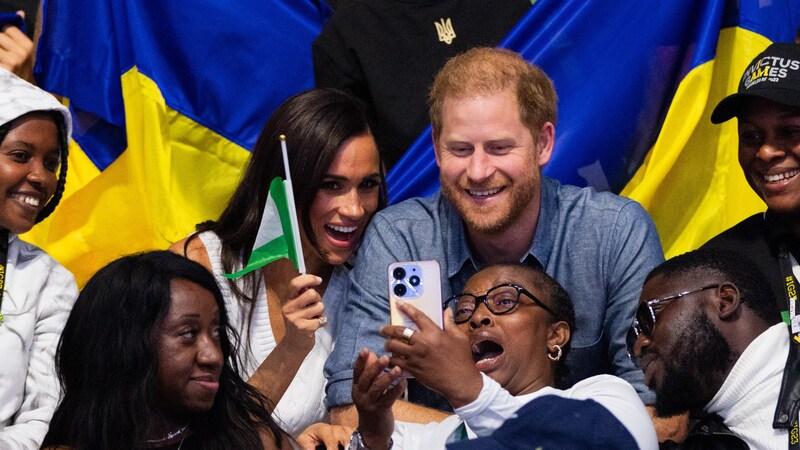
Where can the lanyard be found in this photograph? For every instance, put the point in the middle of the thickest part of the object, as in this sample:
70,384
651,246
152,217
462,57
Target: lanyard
789,272
3,263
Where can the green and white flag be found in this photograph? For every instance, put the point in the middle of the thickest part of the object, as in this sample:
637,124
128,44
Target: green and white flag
278,234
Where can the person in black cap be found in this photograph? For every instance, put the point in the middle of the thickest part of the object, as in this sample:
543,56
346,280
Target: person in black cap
767,106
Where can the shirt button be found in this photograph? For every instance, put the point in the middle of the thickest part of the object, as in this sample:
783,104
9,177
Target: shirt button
783,418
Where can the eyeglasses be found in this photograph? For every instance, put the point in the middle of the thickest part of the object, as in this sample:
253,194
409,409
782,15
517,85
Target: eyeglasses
499,300
644,321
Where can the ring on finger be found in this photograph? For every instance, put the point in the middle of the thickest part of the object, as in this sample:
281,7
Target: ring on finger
407,333
323,320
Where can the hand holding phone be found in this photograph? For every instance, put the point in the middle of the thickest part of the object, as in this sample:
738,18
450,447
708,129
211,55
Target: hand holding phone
12,19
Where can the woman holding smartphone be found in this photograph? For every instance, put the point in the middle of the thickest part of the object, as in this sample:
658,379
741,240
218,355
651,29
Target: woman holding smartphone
338,186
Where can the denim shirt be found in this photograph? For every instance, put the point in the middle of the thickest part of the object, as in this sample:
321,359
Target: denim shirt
599,246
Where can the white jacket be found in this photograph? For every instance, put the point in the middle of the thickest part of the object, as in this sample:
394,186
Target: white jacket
38,298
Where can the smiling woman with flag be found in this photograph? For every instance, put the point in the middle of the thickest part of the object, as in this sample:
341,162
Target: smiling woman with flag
274,270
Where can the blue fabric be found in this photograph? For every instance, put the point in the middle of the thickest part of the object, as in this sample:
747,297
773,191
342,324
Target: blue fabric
616,68
225,65
557,423
599,246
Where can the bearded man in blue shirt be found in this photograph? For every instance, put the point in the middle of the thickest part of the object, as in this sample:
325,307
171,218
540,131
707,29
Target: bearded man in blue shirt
493,117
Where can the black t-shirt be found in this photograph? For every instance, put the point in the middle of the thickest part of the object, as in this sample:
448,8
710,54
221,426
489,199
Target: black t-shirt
387,53
758,238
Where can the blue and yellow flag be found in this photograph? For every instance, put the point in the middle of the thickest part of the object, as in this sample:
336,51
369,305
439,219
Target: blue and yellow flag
637,81
168,99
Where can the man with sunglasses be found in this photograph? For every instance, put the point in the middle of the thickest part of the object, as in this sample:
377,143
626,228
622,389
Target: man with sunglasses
503,346
708,338
493,118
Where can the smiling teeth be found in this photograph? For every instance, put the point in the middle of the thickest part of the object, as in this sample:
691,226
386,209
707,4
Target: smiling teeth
484,193
781,176
343,229
30,201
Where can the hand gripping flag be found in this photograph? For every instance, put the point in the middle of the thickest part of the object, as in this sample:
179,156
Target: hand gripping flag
278,234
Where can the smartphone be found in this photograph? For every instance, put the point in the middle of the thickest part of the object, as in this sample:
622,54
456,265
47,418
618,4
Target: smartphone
416,283
12,19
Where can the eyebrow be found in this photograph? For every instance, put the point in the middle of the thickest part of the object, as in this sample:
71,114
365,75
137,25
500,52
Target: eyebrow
341,178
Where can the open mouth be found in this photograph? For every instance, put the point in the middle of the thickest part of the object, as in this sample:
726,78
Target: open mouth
781,176
341,233
484,193
485,354
28,200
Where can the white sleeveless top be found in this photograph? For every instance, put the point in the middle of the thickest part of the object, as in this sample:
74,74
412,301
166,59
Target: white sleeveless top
303,403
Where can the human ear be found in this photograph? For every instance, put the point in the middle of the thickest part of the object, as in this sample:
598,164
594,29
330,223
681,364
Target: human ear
545,139
728,301
435,149
559,334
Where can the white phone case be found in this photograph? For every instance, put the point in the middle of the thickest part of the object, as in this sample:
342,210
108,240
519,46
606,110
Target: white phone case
423,292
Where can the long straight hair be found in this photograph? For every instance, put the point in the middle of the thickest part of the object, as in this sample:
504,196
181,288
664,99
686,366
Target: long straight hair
107,363
316,123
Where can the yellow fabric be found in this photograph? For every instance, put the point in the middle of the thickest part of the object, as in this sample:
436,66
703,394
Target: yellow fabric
691,182
174,174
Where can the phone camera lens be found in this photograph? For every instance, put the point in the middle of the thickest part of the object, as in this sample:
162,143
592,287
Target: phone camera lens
399,273
400,289
413,280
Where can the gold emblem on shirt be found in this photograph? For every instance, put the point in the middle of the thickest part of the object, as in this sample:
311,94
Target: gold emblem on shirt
445,31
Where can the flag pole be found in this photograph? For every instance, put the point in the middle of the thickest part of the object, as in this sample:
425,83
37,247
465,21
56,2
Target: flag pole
301,263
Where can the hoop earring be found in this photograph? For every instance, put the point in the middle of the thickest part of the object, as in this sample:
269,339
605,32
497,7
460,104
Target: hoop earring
558,354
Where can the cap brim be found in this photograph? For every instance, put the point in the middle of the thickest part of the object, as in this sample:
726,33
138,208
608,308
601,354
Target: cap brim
728,108
731,105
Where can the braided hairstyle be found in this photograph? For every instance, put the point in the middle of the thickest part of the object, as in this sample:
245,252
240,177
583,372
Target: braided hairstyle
63,144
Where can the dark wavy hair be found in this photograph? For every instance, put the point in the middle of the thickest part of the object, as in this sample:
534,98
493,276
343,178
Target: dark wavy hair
63,152
316,124
107,363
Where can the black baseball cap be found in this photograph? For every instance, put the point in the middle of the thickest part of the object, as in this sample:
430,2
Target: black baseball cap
774,75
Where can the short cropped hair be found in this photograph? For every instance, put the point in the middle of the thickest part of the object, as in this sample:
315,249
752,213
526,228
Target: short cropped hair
719,265
484,70
558,300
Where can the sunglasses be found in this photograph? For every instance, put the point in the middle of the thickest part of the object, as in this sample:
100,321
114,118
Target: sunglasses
644,321
499,300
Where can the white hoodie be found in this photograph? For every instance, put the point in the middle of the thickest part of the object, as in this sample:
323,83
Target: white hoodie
38,296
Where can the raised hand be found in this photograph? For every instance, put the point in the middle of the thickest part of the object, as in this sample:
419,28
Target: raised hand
16,51
375,390
303,311
439,359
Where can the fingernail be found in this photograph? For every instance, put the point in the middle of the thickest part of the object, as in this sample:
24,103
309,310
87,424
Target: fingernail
319,280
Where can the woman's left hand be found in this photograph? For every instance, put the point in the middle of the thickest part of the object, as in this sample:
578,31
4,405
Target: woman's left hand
435,357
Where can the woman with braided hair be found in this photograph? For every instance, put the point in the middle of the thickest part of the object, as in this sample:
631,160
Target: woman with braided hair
37,292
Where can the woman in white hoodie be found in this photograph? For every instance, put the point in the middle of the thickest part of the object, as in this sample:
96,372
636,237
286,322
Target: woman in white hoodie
37,292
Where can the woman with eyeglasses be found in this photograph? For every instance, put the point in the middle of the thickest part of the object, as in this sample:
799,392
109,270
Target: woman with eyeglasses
504,344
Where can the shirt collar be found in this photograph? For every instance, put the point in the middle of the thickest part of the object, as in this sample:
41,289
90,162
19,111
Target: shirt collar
547,223
459,253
